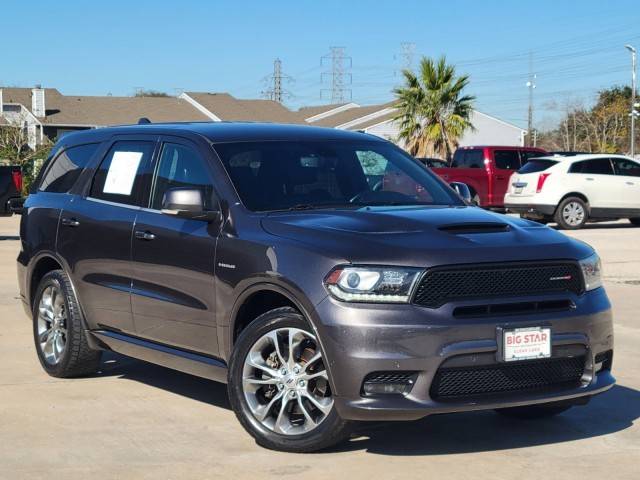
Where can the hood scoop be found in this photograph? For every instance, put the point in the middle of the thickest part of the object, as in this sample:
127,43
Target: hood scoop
481,227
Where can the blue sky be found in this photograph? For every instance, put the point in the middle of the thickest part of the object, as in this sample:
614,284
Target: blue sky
95,48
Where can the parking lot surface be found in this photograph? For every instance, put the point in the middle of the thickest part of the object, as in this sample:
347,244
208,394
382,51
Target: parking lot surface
136,420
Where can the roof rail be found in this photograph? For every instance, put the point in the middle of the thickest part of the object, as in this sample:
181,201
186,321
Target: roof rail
143,121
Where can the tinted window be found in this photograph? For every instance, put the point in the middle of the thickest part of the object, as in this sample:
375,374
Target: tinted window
537,165
626,167
468,159
597,166
66,168
526,155
282,175
180,167
506,159
120,176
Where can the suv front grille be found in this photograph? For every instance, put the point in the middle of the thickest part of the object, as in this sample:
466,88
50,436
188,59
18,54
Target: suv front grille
538,375
441,285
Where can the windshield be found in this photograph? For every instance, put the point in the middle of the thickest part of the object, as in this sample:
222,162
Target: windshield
303,175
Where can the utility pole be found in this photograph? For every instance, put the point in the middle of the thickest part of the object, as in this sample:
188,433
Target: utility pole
530,85
633,100
340,78
275,81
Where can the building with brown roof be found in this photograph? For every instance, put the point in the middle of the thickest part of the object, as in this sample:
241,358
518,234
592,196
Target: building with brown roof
45,112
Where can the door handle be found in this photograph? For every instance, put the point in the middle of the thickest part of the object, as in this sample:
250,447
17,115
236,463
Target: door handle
140,235
630,183
70,222
589,179
500,177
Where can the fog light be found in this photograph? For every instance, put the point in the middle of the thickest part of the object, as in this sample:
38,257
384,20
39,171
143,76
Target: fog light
385,383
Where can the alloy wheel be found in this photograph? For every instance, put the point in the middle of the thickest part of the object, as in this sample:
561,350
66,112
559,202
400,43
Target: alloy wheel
285,382
52,324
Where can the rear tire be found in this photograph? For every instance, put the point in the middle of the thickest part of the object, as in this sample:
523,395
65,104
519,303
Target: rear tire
572,213
308,420
635,221
58,332
534,412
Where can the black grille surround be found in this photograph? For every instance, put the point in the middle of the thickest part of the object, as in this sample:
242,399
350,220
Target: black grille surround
441,285
459,383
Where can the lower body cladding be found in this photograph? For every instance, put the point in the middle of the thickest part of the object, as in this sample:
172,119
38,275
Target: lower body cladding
404,362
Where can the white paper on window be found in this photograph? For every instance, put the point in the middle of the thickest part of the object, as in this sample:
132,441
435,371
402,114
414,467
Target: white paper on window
122,173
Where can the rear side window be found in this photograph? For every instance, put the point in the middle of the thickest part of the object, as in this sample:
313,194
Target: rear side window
468,159
181,167
66,168
120,176
597,166
537,165
626,167
506,159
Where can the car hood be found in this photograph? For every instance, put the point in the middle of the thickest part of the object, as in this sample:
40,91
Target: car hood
419,236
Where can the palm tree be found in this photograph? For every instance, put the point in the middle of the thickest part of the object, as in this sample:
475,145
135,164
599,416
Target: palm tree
433,112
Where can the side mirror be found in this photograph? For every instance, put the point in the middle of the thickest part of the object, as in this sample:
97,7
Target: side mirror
462,190
16,205
187,203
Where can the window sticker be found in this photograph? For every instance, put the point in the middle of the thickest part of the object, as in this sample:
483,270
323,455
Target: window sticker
122,173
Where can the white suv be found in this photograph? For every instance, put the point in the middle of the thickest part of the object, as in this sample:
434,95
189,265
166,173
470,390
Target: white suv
573,190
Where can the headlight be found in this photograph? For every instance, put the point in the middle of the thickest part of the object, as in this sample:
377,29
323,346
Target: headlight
372,284
591,272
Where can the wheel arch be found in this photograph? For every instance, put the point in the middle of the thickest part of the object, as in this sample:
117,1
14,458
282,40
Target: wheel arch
242,313
45,263
579,195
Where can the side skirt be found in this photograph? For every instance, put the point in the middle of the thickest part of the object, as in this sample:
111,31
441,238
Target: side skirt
183,361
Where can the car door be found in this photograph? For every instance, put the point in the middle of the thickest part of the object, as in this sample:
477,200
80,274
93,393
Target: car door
628,171
95,232
505,162
173,295
595,179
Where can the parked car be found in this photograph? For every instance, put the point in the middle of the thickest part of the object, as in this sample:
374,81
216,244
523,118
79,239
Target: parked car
486,170
10,188
261,256
573,190
432,162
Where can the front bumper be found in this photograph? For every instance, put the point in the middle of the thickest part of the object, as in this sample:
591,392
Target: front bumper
362,338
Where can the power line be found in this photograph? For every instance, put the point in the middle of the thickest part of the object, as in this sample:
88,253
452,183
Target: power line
340,78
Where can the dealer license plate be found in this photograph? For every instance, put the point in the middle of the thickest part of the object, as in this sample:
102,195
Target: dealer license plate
526,343
518,190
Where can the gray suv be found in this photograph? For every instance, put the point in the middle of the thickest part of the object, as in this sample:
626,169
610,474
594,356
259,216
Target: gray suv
324,275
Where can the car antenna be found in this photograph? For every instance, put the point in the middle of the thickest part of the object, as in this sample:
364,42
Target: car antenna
143,121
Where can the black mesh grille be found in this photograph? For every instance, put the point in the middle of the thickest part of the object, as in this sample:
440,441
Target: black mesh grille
441,285
389,377
553,373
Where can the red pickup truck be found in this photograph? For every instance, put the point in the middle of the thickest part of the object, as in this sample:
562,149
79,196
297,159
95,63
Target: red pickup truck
486,170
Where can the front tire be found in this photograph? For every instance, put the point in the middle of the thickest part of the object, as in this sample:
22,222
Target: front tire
635,221
58,333
572,213
279,387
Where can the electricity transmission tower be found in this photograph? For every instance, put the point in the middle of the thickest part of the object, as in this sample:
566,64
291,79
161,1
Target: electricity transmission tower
405,57
275,81
340,78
